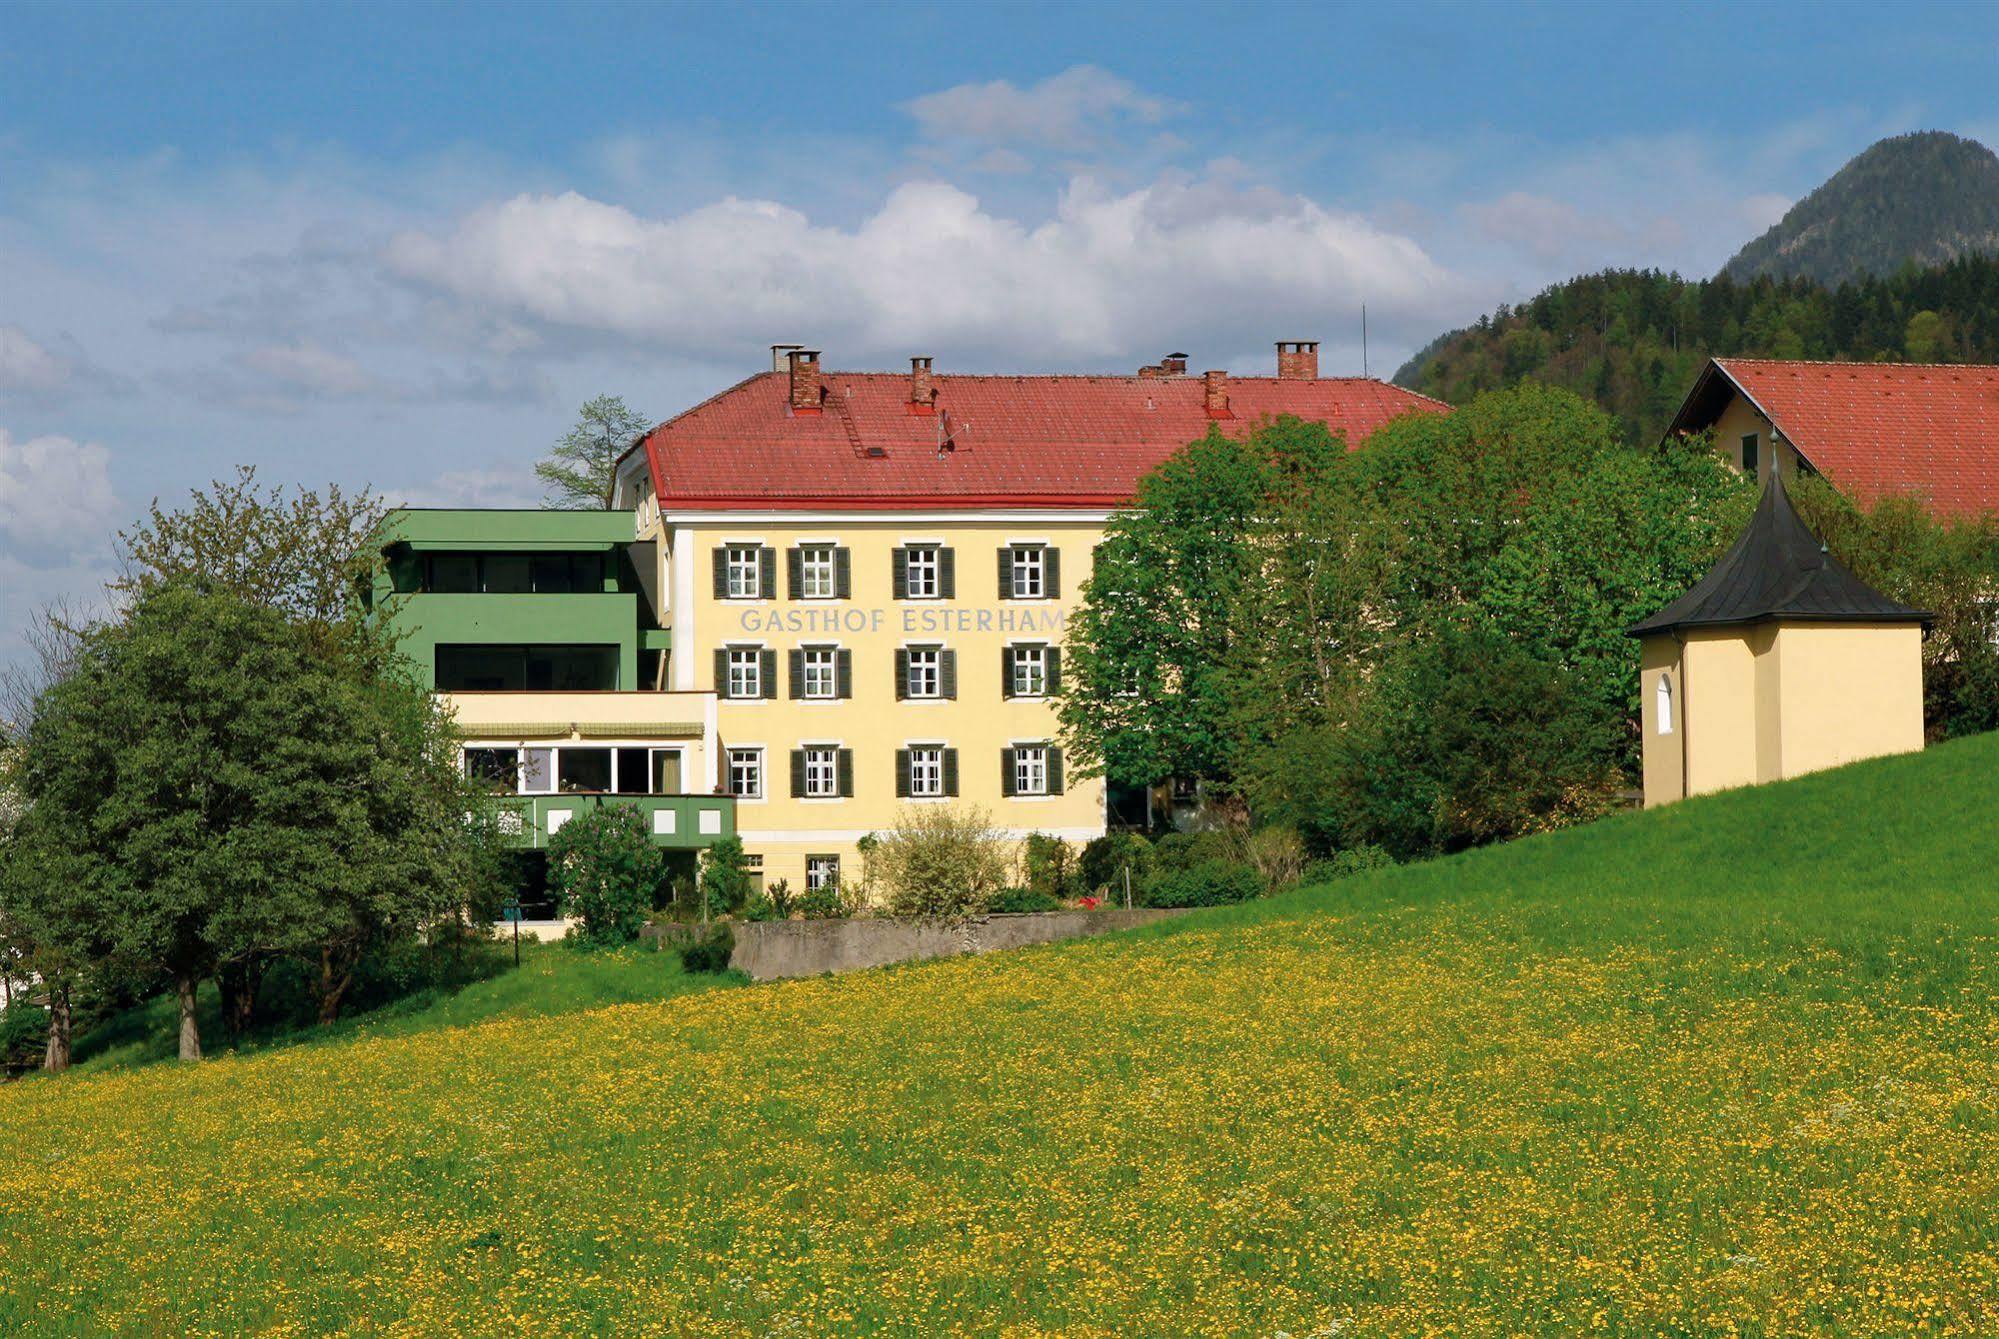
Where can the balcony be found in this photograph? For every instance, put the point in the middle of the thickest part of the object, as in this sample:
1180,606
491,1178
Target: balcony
679,822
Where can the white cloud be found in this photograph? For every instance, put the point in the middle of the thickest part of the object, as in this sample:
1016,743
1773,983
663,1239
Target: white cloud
55,493
1071,110
26,365
1110,274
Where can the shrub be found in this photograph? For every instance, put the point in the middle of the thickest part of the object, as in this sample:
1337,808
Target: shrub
1213,883
709,952
725,876
1106,858
1345,864
1184,850
24,1034
1050,867
603,868
941,861
1277,853
823,903
1022,899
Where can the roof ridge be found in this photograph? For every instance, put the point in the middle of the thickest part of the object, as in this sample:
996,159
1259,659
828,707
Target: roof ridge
1848,362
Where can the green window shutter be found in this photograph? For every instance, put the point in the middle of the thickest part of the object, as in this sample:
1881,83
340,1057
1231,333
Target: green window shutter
1054,770
899,573
947,673
1006,671
1054,670
767,670
1006,574
947,573
901,673
721,672
1051,572
721,574
843,674
1006,773
795,662
797,774
766,573
843,769
794,572
843,573
902,774
951,772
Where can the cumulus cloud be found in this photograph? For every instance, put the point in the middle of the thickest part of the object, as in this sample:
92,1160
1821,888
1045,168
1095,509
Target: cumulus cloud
26,366
55,493
1108,273
1552,230
1071,110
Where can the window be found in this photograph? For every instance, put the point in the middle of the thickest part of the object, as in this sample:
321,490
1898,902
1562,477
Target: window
816,572
1028,668
819,672
926,772
537,771
741,572
494,769
513,573
534,669
822,773
628,769
1030,770
926,673
1664,705
822,872
745,678
1029,572
666,771
583,770
1026,573
1749,454
746,773
922,565
633,772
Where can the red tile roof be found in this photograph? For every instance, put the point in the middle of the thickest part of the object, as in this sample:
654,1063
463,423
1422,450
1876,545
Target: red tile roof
1057,441
1877,429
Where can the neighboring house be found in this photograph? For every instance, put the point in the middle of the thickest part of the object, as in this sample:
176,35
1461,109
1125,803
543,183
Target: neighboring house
1872,429
830,595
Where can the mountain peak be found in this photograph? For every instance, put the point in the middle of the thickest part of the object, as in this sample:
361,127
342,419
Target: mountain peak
1924,198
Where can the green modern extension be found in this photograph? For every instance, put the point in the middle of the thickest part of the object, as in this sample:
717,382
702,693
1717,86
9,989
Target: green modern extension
542,631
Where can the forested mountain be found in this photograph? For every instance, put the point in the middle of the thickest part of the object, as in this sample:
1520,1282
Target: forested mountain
1634,339
1920,199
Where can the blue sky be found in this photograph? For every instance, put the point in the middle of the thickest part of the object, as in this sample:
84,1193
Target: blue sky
398,244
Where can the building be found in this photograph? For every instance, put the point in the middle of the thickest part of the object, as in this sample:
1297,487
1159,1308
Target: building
1872,429
1778,662
827,596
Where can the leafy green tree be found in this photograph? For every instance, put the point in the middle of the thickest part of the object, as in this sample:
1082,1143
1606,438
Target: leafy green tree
604,868
725,877
580,471
208,787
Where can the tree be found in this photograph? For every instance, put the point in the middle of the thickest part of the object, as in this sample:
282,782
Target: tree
940,861
604,867
581,470
725,877
206,787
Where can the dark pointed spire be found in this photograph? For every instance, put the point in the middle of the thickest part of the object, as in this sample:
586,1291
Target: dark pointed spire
1777,570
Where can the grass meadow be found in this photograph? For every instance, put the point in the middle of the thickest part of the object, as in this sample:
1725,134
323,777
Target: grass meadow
1722,1069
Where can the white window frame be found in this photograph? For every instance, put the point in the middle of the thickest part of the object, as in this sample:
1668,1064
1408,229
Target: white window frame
820,870
746,666
555,751
750,758
822,771
929,560
818,568
934,668
744,571
1662,698
811,673
1021,659
1030,770
1030,558
926,761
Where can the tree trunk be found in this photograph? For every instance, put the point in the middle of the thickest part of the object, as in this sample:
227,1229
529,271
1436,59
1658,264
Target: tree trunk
190,1026
56,1059
336,973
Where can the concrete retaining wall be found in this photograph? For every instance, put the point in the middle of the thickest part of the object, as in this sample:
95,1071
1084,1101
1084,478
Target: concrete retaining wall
769,950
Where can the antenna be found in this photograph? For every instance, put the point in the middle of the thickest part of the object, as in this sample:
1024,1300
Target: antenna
947,432
1363,339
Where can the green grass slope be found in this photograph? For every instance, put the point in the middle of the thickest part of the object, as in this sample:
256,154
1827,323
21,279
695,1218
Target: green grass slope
1727,1068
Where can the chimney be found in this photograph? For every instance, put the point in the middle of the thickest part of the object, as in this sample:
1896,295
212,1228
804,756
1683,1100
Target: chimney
1298,359
1174,365
922,395
805,392
780,355
1151,370
1215,391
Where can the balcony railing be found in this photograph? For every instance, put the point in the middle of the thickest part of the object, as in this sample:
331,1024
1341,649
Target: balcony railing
679,821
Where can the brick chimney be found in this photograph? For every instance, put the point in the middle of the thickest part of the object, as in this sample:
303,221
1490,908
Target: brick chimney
922,395
1151,370
1298,359
805,391
1174,365
1215,392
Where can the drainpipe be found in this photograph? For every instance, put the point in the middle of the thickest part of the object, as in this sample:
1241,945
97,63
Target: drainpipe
1686,714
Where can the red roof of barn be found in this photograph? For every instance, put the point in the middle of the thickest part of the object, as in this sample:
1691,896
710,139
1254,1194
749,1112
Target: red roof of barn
1874,429
1057,441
